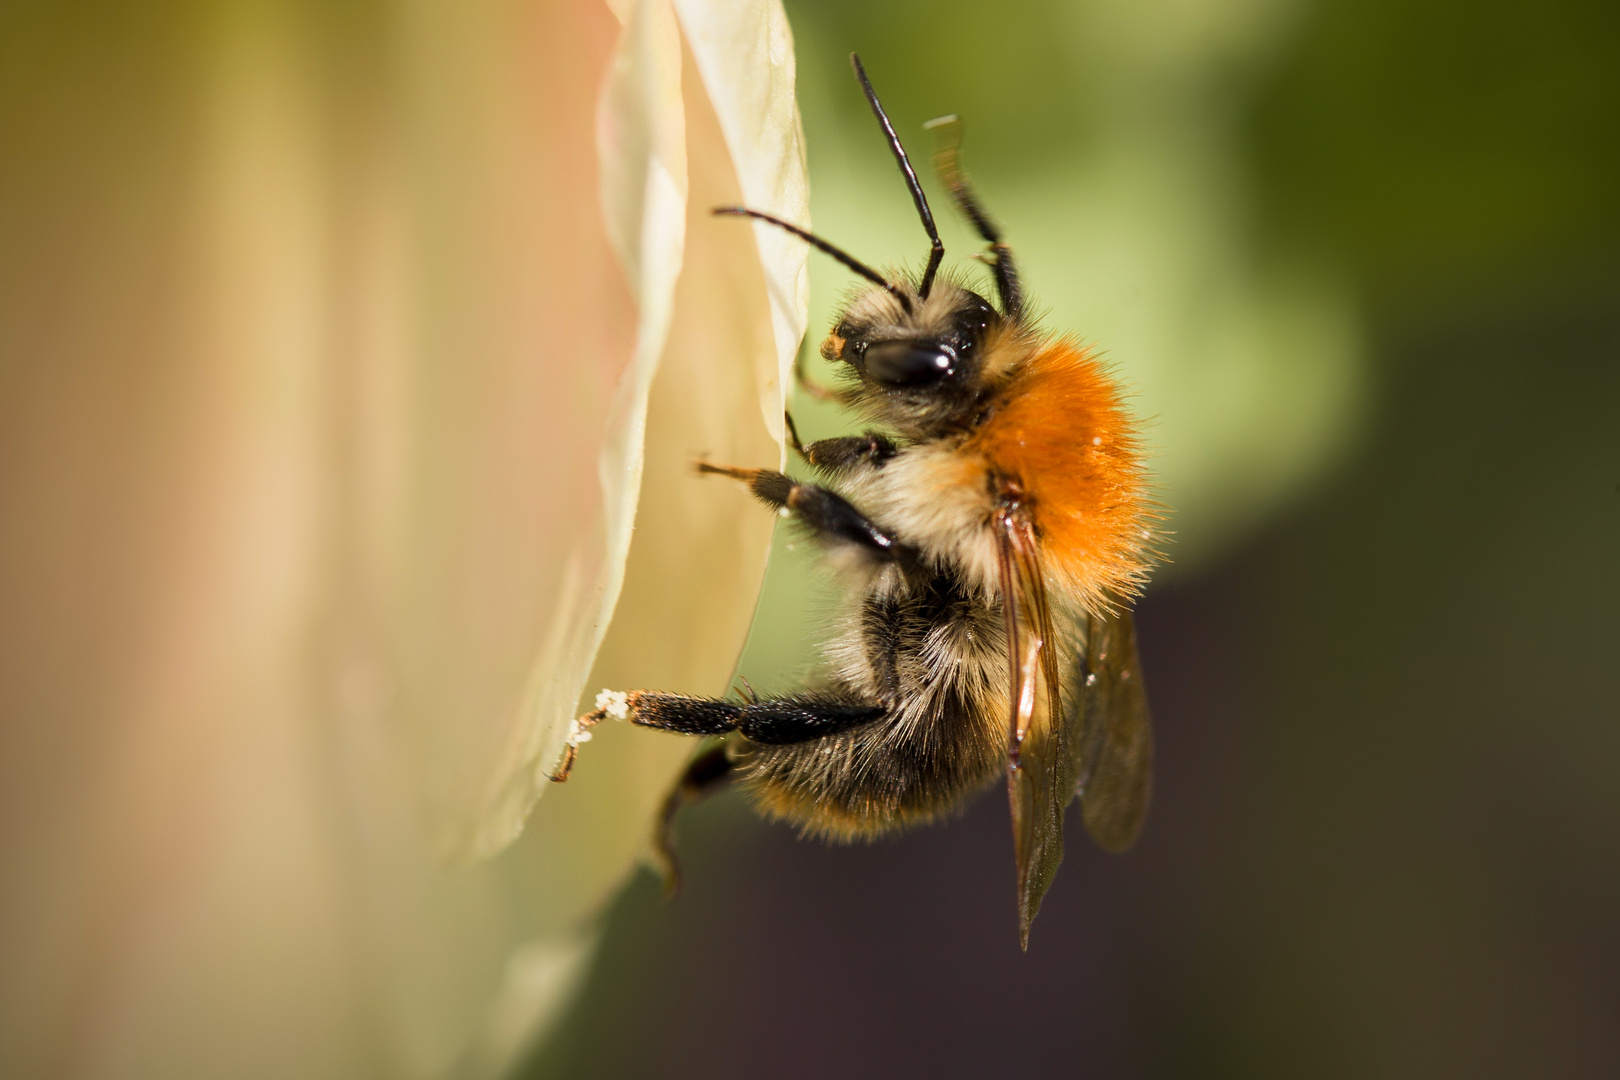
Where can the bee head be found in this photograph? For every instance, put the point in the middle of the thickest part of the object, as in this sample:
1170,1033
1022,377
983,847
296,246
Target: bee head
923,356
918,349
933,342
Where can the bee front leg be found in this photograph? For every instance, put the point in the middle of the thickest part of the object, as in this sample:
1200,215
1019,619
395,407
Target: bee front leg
813,388
791,431
842,454
850,452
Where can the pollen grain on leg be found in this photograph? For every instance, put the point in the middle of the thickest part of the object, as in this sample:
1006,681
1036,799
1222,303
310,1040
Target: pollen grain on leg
613,703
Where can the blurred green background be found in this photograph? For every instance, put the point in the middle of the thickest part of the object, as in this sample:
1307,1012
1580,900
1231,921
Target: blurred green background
1361,263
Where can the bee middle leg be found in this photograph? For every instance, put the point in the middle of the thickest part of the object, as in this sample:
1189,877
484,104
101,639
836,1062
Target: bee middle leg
824,512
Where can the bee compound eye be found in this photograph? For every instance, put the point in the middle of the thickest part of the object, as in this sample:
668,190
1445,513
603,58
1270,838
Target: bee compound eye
909,363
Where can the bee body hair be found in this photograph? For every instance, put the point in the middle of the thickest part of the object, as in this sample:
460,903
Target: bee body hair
924,636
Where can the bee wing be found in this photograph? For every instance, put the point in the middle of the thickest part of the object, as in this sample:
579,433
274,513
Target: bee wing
1111,733
1041,765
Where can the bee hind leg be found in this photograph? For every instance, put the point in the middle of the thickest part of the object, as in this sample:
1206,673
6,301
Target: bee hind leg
800,718
705,775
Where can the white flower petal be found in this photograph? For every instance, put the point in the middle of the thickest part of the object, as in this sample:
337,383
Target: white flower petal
343,438
642,145
744,52
692,579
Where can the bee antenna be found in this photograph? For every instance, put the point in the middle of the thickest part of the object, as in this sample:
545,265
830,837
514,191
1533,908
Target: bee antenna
821,245
937,252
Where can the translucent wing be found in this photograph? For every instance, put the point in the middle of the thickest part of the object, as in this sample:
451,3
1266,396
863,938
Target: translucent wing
1041,764
1111,733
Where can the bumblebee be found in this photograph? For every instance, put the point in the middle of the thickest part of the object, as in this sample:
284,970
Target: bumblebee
992,526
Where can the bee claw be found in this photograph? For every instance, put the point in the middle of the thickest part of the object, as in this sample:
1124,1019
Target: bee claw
669,871
792,432
560,774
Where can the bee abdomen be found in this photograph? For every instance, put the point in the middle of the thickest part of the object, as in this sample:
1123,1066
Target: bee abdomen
866,785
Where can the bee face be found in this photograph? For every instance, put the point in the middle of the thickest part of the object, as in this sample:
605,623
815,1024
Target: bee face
926,357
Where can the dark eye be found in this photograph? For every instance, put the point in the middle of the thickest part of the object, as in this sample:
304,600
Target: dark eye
908,363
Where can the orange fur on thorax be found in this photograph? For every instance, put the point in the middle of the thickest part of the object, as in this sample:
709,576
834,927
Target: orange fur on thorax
1063,440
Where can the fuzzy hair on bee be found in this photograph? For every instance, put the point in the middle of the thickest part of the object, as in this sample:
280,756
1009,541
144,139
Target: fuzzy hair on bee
990,529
